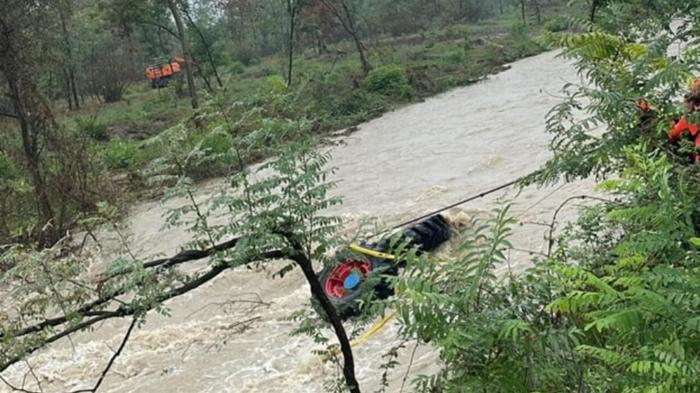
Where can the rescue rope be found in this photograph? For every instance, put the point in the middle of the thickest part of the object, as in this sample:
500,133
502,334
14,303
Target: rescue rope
373,253
379,325
466,200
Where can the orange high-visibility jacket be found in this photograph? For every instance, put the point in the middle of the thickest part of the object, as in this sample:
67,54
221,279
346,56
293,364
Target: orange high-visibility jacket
166,70
682,126
150,73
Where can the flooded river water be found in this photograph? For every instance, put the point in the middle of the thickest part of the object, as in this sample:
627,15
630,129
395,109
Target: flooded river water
403,164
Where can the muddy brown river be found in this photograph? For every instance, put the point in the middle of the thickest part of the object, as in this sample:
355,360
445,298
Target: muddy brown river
403,164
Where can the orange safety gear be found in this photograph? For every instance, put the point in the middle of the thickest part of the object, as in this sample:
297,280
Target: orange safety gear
150,73
166,70
694,86
684,126
693,94
160,74
643,105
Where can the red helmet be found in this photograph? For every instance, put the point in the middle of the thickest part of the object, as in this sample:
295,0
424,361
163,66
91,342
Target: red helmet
694,86
693,94
642,104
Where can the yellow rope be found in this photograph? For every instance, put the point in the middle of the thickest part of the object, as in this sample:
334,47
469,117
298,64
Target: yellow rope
373,330
378,326
373,253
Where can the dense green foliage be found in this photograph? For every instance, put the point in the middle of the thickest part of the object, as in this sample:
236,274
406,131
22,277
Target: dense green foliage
614,308
388,80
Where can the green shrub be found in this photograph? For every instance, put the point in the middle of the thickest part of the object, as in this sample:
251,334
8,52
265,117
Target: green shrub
92,127
8,174
178,84
217,142
523,47
458,31
7,166
520,43
518,29
469,43
275,84
160,101
358,101
246,54
121,155
237,68
556,24
456,56
389,80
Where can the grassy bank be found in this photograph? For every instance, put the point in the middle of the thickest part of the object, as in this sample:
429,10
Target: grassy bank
329,90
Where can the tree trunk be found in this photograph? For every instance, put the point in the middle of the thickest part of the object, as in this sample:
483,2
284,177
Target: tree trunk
317,291
185,52
291,11
67,89
537,11
70,72
36,123
207,48
358,43
345,18
522,8
366,67
47,229
594,8
437,10
32,153
204,77
318,43
74,88
4,227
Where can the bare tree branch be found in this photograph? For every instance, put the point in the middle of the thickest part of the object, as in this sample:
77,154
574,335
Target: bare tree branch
205,43
304,262
111,360
241,326
90,308
11,115
344,16
31,371
254,304
158,25
410,364
15,388
120,312
553,224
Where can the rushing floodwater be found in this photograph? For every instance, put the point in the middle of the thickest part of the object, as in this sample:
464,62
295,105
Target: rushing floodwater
405,163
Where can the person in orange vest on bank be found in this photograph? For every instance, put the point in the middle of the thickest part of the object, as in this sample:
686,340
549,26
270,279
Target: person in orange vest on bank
684,127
